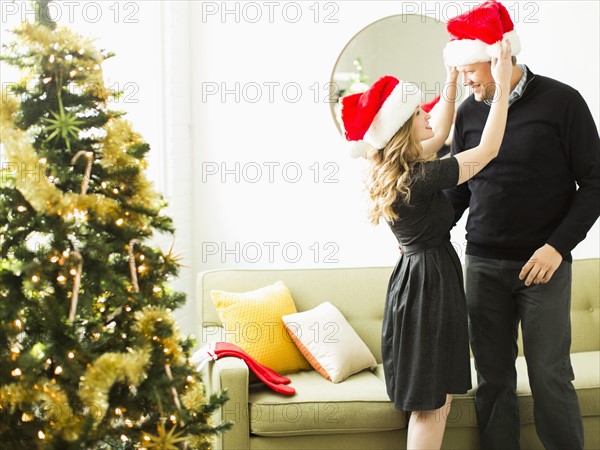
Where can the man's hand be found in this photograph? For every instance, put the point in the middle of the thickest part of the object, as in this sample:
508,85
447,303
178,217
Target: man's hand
541,266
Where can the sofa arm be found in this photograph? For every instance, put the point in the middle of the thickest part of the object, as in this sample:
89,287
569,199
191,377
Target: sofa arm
231,374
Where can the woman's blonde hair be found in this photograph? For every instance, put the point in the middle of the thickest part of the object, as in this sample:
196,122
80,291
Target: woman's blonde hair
389,175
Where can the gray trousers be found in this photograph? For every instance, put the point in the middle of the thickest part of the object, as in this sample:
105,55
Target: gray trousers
497,300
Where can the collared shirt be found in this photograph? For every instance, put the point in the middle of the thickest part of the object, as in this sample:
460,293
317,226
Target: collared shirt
518,90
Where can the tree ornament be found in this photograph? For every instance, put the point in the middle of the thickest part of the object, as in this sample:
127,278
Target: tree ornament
173,389
164,440
132,268
88,168
64,124
76,285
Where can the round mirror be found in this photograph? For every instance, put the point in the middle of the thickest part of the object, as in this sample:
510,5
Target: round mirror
407,46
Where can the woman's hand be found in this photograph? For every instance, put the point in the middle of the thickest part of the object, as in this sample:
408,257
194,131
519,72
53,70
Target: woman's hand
451,74
502,65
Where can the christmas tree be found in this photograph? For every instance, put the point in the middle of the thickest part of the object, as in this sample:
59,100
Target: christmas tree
91,356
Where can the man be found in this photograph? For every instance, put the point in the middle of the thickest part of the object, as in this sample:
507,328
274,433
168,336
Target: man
528,209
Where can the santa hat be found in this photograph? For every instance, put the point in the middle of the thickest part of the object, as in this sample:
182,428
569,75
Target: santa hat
375,116
473,35
215,350
427,107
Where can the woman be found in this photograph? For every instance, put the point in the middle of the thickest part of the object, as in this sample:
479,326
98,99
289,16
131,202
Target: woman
425,347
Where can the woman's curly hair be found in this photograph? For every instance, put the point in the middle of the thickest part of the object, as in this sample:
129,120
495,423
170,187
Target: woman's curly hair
390,173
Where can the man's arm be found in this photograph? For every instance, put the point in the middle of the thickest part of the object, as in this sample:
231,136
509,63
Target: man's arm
460,195
581,143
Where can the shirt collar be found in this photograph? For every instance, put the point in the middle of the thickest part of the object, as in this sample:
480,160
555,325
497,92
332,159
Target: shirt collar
518,90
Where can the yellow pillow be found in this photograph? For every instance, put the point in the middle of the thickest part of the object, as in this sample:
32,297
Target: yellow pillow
252,321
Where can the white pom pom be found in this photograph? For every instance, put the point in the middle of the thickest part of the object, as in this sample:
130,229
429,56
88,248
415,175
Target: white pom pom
357,149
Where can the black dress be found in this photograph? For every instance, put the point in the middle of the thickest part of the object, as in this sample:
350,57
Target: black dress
425,342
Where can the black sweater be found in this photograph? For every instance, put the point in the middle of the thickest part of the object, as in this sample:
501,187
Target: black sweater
544,185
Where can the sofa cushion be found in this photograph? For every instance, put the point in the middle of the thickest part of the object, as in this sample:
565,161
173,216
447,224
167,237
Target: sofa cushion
586,366
358,404
252,321
328,342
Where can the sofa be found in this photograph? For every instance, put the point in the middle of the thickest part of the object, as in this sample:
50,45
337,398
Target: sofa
356,413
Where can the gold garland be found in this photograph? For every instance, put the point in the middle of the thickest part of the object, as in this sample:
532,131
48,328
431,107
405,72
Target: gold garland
107,370
195,398
56,409
121,367
43,41
146,320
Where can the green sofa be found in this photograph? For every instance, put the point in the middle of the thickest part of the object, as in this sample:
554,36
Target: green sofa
356,413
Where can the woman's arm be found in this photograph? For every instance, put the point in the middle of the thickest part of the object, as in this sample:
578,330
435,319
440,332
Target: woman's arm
472,161
441,122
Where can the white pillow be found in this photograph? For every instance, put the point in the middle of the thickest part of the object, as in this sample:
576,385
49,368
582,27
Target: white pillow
328,342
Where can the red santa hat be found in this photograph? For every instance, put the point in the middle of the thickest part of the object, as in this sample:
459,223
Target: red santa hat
473,35
427,107
216,350
375,116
